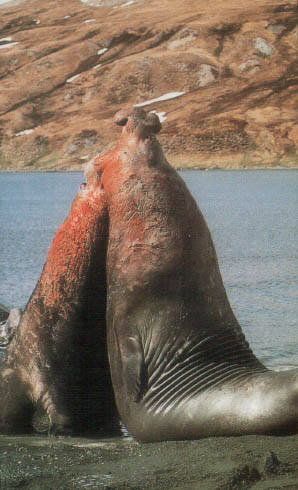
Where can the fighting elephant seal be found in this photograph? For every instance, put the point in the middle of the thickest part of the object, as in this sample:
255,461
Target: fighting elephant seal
4,312
181,367
57,360
9,326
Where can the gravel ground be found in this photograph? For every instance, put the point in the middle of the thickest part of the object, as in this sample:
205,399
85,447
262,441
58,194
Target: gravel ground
250,462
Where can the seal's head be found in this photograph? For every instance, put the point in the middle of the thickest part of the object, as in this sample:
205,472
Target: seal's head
137,121
137,144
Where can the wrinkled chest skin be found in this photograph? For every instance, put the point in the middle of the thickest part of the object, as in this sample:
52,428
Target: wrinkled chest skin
181,367
57,360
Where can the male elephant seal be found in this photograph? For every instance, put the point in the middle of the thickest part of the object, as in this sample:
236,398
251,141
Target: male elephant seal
9,325
181,367
4,312
57,361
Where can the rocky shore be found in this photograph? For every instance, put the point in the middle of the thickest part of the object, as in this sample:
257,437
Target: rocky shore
221,75
250,462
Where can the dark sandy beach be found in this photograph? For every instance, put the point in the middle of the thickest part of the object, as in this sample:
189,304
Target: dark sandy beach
250,462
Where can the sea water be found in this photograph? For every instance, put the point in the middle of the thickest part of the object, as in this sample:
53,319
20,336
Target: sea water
252,215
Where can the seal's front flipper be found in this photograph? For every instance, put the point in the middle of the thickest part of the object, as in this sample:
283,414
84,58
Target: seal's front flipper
16,409
134,369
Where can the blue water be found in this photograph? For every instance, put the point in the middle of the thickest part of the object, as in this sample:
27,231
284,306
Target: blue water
252,216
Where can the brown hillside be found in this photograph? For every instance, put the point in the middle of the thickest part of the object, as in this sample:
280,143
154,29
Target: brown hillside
66,67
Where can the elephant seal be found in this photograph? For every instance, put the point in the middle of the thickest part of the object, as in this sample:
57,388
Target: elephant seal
181,366
57,361
9,326
4,312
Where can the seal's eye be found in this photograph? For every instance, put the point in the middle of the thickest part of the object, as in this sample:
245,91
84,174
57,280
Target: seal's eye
83,186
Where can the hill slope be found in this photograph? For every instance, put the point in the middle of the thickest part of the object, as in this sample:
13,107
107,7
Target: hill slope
227,69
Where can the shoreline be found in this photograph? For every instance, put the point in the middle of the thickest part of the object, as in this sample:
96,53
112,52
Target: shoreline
57,162
179,169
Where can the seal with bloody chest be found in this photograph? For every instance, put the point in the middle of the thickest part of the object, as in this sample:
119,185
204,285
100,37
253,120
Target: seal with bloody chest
57,360
181,367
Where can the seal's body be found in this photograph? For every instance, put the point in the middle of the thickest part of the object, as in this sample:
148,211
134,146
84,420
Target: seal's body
57,360
181,367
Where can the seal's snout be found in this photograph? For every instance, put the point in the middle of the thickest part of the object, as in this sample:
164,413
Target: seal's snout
137,119
121,117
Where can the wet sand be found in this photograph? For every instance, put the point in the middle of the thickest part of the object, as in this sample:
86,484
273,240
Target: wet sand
250,462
